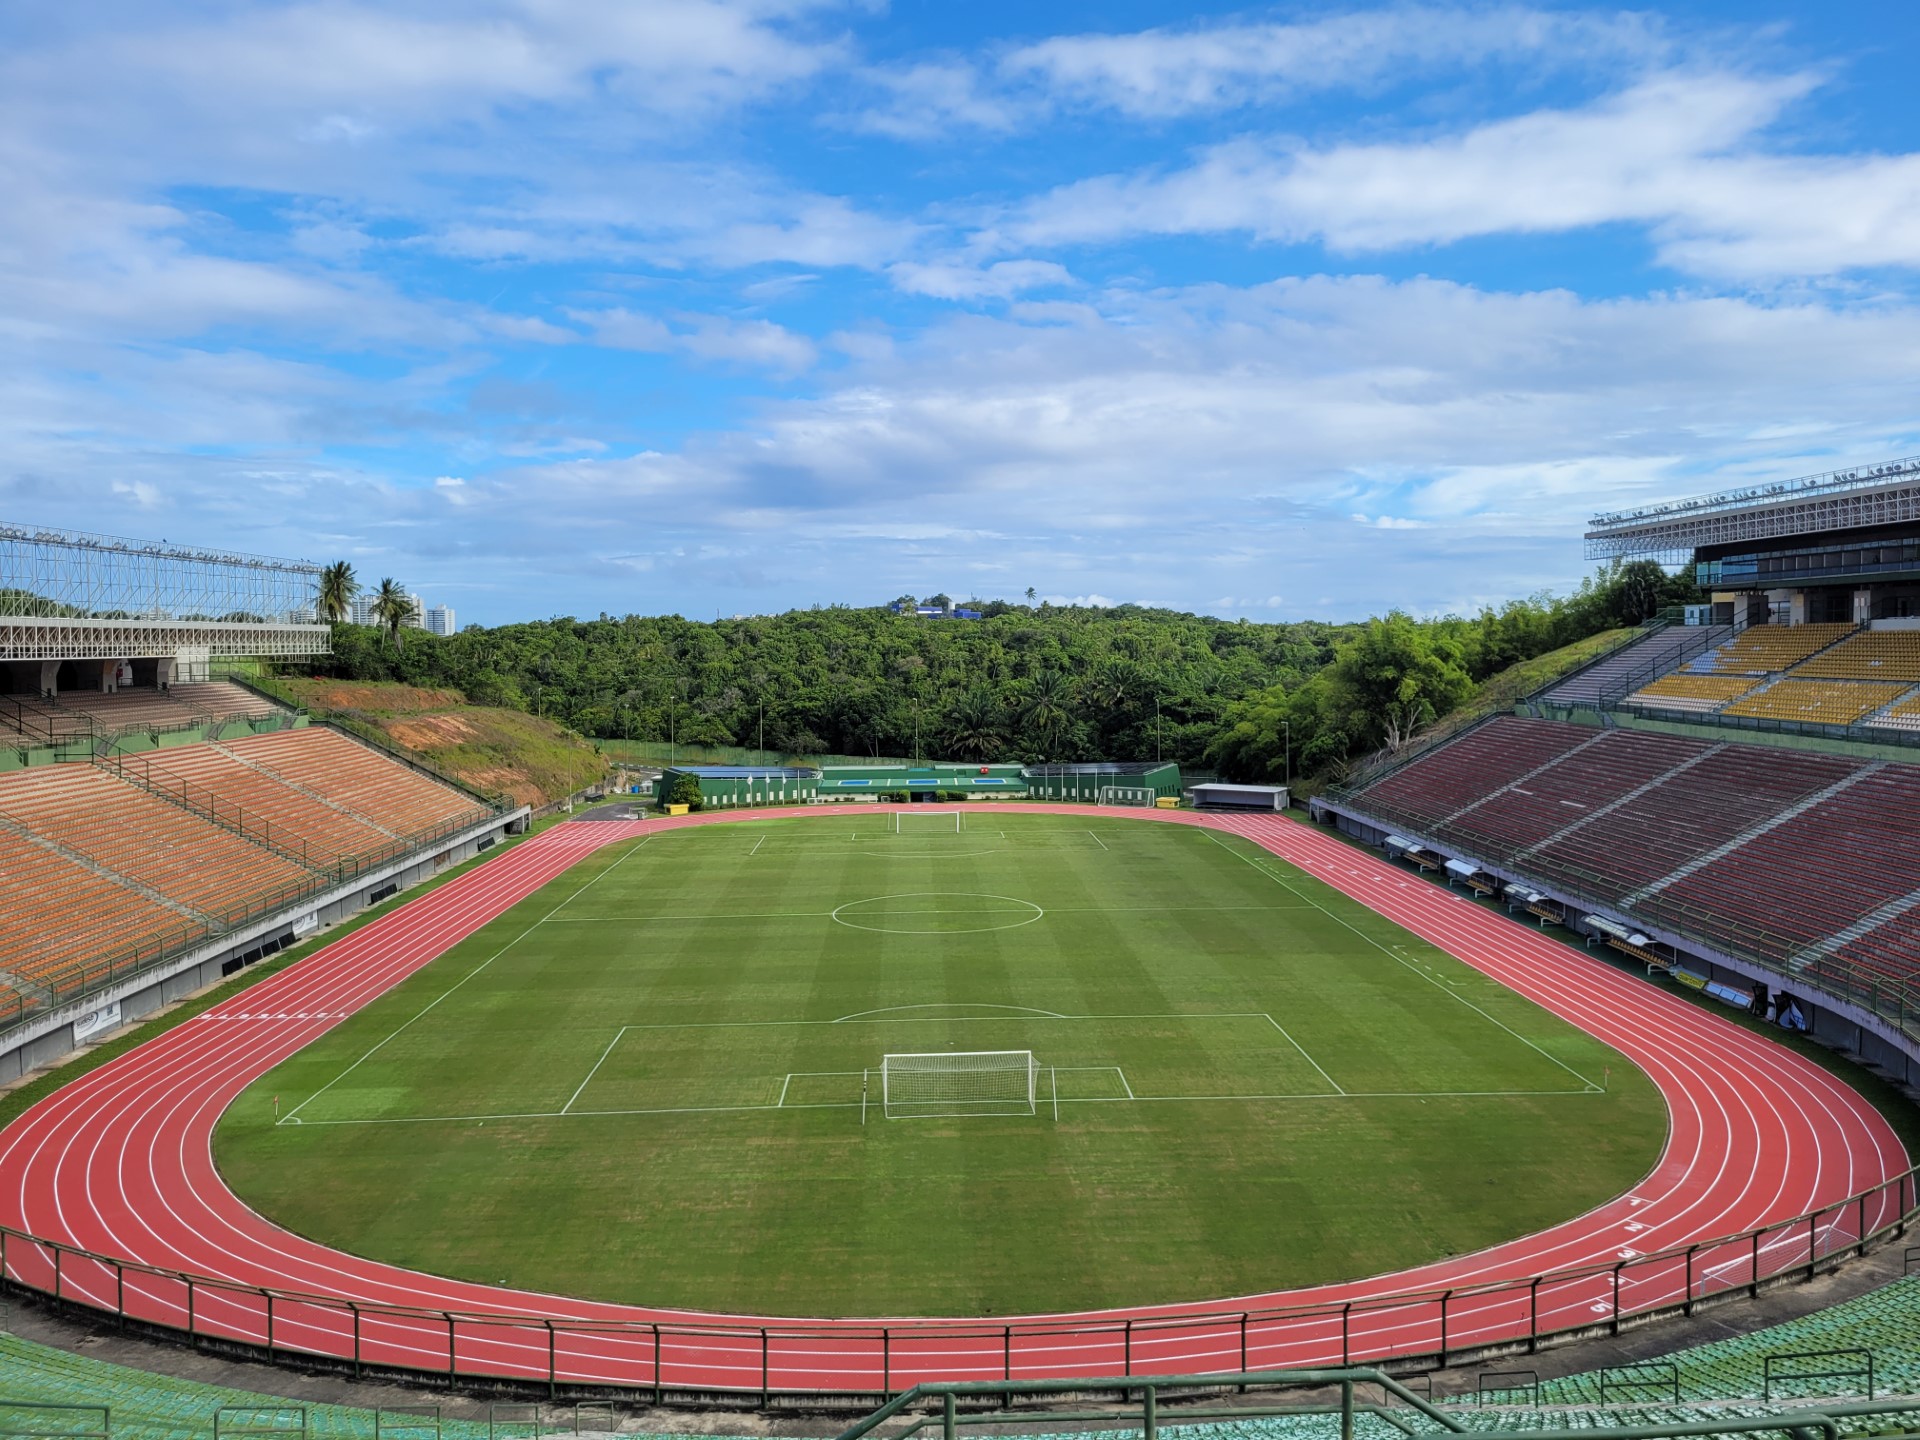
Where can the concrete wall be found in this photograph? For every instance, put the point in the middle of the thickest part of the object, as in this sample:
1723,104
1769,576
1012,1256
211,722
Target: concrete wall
46,1037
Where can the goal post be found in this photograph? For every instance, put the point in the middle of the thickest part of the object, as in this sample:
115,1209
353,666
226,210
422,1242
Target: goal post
959,1082
1144,795
925,820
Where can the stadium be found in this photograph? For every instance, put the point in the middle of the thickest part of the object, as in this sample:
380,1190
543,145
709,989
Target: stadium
961,1092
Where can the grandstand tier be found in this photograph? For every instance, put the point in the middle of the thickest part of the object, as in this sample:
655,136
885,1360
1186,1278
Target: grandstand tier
114,865
1786,856
1868,655
1685,691
1821,702
1635,664
1768,649
357,780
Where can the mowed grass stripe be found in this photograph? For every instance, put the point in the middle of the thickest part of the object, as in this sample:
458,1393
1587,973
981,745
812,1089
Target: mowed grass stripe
586,1096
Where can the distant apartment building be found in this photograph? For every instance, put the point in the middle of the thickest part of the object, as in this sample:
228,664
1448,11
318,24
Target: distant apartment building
435,621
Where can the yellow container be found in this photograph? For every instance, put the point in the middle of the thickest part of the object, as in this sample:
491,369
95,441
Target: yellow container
676,809
1168,802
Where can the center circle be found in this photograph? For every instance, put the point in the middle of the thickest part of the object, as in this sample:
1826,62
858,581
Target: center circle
937,912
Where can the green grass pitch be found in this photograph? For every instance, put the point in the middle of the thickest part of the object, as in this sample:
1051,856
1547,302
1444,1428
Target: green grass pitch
644,1082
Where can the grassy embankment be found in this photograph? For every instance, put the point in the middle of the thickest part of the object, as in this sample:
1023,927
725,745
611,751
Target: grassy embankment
499,751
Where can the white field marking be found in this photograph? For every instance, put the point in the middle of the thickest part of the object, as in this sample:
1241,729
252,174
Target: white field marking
828,914
783,1090
464,978
1014,906
1036,1015
1129,1098
1305,1056
596,1069
722,915
1388,951
756,847
1098,841
949,1005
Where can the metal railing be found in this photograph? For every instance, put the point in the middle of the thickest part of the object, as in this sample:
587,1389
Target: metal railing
1793,957
74,982
1859,734
1435,1326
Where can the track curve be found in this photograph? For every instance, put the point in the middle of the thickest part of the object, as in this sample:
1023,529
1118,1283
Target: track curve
118,1165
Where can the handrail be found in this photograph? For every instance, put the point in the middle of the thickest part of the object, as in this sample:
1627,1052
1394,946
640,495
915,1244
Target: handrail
1686,655
150,951
1604,1295
1645,631
1897,1003
1345,1376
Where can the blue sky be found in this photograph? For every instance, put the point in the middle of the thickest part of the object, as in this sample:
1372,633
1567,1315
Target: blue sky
567,306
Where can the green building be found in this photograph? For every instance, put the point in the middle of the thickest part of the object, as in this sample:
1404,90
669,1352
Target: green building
932,778
723,786
1095,781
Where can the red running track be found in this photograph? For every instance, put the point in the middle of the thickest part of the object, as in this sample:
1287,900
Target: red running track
118,1166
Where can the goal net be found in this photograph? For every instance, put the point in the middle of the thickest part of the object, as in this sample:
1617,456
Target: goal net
914,820
1128,795
959,1082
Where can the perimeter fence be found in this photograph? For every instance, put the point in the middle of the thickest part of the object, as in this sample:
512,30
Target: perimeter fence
693,1357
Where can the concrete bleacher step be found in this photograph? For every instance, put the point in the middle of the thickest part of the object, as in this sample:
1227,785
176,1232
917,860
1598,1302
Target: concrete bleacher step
1873,920
306,790
230,816
1753,832
52,846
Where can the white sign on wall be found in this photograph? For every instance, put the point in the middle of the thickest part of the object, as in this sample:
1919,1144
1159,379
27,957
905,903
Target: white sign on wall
97,1022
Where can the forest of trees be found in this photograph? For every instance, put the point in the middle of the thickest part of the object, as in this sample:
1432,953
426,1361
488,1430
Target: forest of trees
1028,682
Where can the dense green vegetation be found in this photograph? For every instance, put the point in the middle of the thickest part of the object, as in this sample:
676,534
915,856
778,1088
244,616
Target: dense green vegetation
643,1083
1029,682
496,751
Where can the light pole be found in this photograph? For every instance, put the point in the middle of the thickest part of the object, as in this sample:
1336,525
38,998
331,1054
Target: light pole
1287,725
1157,756
762,702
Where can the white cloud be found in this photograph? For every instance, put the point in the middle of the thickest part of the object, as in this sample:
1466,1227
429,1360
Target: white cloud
1676,153
1172,71
1001,280
707,337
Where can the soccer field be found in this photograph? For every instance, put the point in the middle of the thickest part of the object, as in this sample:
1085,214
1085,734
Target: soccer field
657,1080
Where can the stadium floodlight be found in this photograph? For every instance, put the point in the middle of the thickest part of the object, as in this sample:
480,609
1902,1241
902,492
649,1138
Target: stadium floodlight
959,1082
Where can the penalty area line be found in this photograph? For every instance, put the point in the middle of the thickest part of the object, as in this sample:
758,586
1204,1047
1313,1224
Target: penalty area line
1441,986
1127,1099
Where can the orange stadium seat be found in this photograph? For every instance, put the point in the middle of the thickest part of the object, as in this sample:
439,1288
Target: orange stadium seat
190,860
357,778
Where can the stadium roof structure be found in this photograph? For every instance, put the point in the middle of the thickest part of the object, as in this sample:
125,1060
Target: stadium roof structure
68,595
1883,494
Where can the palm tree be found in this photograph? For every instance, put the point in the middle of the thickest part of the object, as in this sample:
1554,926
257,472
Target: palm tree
973,725
337,589
1047,697
392,607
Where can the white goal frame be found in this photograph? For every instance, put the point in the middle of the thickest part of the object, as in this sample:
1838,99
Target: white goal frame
928,813
1141,795
959,1082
